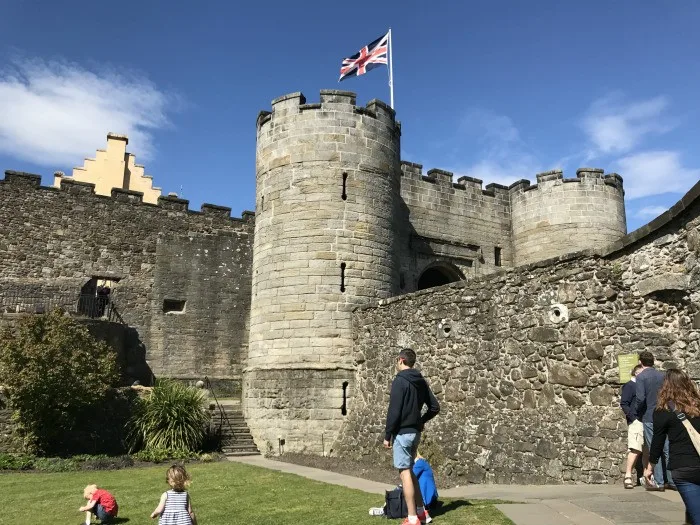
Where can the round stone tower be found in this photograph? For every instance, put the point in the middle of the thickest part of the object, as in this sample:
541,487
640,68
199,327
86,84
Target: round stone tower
327,195
559,216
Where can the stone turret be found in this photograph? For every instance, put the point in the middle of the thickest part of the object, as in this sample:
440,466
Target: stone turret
558,216
327,193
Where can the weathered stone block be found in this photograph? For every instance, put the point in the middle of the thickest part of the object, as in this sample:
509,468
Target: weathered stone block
602,395
542,334
567,375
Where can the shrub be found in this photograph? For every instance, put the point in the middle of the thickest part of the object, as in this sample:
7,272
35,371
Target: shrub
158,455
172,417
16,462
55,372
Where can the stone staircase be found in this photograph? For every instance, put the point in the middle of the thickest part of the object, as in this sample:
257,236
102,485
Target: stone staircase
235,434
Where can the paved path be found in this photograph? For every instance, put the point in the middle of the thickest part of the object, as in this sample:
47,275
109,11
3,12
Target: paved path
531,504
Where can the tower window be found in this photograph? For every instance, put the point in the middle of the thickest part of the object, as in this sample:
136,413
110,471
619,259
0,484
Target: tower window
344,195
497,256
173,306
344,407
342,277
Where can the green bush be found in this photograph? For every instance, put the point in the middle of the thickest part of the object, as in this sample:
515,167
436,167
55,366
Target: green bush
16,462
171,417
55,371
159,455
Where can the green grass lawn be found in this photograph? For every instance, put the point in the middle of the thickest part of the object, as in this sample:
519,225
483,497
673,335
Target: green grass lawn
221,493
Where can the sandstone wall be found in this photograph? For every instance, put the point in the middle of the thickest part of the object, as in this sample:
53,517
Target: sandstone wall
559,216
327,193
459,223
53,241
524,362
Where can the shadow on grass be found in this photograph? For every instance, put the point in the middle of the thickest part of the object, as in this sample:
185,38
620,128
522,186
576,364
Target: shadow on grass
444,508
120,520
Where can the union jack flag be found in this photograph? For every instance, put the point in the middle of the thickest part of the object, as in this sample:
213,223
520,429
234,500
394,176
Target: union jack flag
371,56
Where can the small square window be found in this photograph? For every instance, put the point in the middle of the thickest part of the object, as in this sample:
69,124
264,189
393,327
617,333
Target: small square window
173,306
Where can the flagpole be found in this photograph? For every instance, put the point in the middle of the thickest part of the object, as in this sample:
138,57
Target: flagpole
391,71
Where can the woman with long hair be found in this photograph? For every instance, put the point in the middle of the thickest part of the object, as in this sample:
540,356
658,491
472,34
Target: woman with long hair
678,398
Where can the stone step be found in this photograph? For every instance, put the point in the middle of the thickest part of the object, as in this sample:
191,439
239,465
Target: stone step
234,450
242,453
242,435
242,442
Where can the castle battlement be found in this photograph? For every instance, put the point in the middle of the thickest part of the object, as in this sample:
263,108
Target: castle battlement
556,177
332,101
31,181
445,179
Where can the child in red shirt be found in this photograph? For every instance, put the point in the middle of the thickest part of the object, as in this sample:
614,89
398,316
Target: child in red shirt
100,503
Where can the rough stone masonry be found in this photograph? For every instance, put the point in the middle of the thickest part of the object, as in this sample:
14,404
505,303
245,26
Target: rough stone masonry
524,362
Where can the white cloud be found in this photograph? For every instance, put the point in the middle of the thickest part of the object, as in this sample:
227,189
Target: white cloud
56,113
655,172
615,126
506,157
648,212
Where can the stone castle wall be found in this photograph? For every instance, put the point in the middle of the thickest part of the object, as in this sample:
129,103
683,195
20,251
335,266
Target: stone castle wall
52,241
524,362
460,223
558,216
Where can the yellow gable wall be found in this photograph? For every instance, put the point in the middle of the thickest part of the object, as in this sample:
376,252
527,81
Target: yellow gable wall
114,168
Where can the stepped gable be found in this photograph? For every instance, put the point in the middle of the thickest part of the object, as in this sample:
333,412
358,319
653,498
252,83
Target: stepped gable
31,181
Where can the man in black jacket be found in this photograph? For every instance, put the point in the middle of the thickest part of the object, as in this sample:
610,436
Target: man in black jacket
404,424
635,429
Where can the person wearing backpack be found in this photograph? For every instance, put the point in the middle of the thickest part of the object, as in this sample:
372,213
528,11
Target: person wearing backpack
677,416
404,424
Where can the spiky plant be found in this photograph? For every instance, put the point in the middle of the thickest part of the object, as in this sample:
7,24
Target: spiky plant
171,416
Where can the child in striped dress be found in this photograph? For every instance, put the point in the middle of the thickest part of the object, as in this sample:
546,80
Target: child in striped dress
175,507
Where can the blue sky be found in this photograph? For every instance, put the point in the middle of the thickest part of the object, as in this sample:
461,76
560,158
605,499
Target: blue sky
498,90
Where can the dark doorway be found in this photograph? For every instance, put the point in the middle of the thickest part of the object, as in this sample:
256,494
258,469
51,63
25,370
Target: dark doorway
95,297
438,275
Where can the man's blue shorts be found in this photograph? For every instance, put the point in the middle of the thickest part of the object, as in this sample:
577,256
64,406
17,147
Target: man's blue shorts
405,449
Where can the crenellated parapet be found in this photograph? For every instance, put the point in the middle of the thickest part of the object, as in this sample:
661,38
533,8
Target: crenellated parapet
332,102
444,179
22,181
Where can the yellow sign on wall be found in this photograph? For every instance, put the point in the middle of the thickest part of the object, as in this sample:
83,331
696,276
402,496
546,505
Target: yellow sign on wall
625,363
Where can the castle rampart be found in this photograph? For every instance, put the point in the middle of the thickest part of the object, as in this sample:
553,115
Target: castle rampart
558,215
54,242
